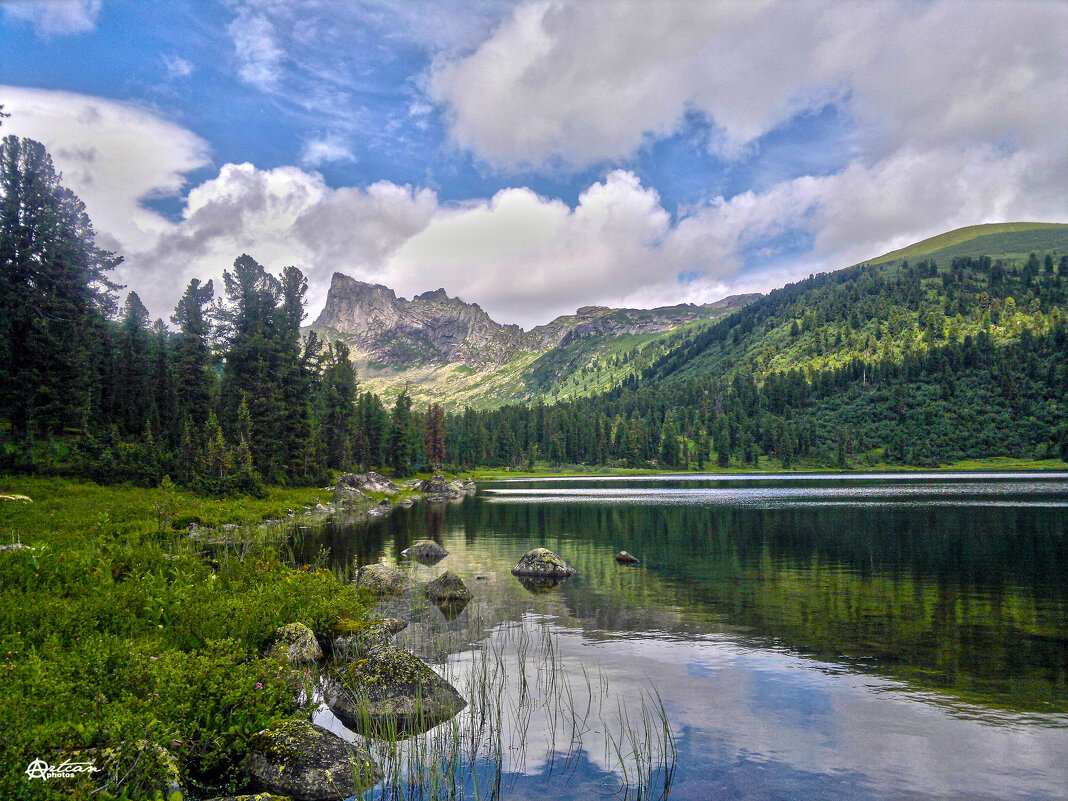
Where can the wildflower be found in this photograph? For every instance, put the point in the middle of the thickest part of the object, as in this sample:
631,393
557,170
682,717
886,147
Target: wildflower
259,685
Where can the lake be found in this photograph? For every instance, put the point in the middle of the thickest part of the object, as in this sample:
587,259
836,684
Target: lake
875,636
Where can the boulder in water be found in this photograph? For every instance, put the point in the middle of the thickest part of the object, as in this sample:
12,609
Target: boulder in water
436,488
306,762
426,551
389,692
541,562
381,579
448,587
625,558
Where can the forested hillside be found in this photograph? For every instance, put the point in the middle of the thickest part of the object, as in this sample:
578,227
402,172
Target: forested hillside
920,364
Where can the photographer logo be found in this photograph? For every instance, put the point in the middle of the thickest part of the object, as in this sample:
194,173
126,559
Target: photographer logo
39,769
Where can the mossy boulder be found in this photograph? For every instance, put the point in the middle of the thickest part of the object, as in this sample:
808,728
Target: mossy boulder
542,563
359,639
447,587
306,762
389,692
625,558
427,552
381,579
436,488
253,797
297,643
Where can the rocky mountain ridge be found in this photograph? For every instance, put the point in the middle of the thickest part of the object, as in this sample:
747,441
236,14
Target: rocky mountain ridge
435,329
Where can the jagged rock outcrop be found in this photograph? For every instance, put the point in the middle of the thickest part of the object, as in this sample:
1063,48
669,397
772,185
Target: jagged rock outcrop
434,329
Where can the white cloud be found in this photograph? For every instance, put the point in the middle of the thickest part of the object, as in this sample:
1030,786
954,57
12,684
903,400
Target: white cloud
326,150
55,17
586,82
113,155
259,55
177,67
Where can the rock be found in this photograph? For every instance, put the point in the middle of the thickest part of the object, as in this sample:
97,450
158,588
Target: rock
367,482
406,503
19,498
436,488
625,558
17,546
357,639
426,551
451,608
389,692
306,762
297,643
541,562
381,579
381,509
255,797
448,587
346,497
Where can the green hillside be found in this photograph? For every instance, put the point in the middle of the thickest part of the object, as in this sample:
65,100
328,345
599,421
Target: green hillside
1004,239
921,362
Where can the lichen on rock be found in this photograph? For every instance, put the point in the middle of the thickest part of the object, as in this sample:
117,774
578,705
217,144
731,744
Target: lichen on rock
381,579
542,562
296,643
389,691
308,763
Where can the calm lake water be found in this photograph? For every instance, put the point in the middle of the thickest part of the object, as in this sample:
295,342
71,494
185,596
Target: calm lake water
879,636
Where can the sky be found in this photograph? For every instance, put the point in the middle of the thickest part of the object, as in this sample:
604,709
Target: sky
541,155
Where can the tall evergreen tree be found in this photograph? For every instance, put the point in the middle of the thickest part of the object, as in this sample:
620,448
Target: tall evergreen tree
192,357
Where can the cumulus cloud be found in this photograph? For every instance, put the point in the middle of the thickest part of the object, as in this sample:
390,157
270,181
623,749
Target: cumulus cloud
587,82
113,155
55,17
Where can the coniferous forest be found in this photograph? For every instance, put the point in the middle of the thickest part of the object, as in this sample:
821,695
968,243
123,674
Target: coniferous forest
909,364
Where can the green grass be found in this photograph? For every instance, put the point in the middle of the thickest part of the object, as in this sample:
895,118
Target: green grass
959,236
117,629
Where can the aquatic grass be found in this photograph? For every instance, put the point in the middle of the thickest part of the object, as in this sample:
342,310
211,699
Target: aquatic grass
529,711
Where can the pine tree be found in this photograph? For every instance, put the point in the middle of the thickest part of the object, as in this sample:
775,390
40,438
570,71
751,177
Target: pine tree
401,451
192,372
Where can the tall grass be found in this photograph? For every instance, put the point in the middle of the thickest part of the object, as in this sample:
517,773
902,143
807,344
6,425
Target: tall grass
531,710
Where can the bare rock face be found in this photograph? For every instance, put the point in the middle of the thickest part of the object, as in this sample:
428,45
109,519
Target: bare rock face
306,762
542,563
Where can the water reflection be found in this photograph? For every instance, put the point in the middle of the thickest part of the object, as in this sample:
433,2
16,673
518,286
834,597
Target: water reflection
840,643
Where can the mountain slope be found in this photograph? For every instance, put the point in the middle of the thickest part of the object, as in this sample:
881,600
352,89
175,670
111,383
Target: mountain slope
921,364
979,240
451,352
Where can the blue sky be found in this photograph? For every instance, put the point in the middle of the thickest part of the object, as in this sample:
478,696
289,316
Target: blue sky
538,156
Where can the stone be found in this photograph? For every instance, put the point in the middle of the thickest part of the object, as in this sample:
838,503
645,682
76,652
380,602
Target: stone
381,579
625,558
427,552
448,587
308,763
541,562
346,497
389,692
253,797
357,639
436,488
17,546
18,498
451,608
381,509
539,585
367,482
296,642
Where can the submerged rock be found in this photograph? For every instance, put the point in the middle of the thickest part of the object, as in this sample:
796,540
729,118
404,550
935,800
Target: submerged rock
381,579
306,762
451,608
625,558
381,509
357,639
389,692
448,587
297,643
426,551
544,563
